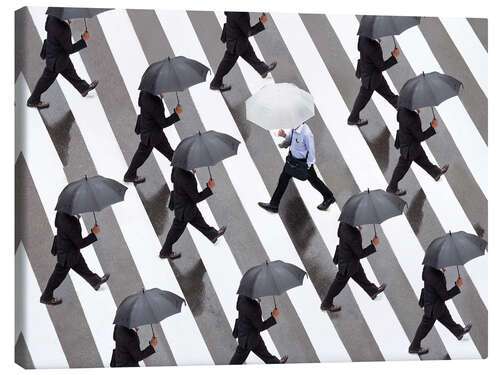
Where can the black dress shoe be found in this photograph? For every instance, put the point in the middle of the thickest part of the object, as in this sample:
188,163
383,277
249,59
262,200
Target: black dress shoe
92,86
270,68
380,289
101,281
268,207
221,88
360,122
326,203
443,171
331,308
466,331
39,105
53,301
284,359
418,351
220,233
399,192
172,255
135,180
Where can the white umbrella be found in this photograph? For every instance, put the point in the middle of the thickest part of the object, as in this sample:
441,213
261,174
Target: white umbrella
279,106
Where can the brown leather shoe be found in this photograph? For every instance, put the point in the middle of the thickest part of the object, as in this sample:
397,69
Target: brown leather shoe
418,351
380,289
466,331
399,192
92,86
220,233
101,281
171,256
331,308
268,207
39,105
284,359
443,171
135,180
270,68
53,301
221,88
360,122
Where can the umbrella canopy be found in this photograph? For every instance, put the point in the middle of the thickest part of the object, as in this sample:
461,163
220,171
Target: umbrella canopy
147,307
371,207
204,150
379,26
454,249
73,13
428,90
89,195
172,74
279,105
270,279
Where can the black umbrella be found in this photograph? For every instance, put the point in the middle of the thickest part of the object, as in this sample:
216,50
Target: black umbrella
454,249
379,26
371,207
173,74
270,279
204,150
73,13
147,307
428,90
90,195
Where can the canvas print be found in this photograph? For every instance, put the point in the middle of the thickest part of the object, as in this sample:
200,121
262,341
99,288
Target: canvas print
229,187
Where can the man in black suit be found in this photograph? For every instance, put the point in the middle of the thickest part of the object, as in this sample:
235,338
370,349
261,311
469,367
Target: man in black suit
183,201
235,34
57,49
370,67
433,298
150,125
248,328
348,254
68,243
128,351
408,140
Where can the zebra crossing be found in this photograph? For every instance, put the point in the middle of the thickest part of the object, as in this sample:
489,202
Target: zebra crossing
100,133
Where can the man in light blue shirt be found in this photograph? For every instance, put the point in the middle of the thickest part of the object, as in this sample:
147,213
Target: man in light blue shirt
301,142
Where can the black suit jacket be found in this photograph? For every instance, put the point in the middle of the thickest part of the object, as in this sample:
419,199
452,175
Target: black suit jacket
186,194
350,245
435,292
128,352
59,44
153,119
69,240
238,30
250,323
372,62
410,132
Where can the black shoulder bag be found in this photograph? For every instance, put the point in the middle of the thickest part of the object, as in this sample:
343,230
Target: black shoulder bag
296,167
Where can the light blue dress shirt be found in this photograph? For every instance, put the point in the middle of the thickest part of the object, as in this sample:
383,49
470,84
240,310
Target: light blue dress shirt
302,143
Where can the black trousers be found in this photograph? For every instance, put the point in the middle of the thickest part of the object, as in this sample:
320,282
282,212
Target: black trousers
428,322
365,95
230,59
178,227
346,271
48,77
313,180
61,271
418,156
260,350
143,152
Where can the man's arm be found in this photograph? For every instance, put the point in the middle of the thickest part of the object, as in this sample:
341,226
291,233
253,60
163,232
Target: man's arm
378,59
416,130
136,352
161,120
65,41
76,237
260,325
191,190
309,141
244,25
357,247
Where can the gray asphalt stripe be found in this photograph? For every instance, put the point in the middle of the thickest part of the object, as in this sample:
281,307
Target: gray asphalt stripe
111,249
289,336
480,27
420,214
445,151
33,228
356,336
154,194
334,170
452,63
22,354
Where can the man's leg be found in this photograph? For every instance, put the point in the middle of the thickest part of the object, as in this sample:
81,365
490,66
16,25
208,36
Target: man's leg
70,74
251,58
165,148
261,351
199,223
58,275
280,189
239,356
399,172
445,319
318,184
83,270
423,329
423,161
385,91
44,82
225,66
360,278
139,158
173,235
337,285
361,101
